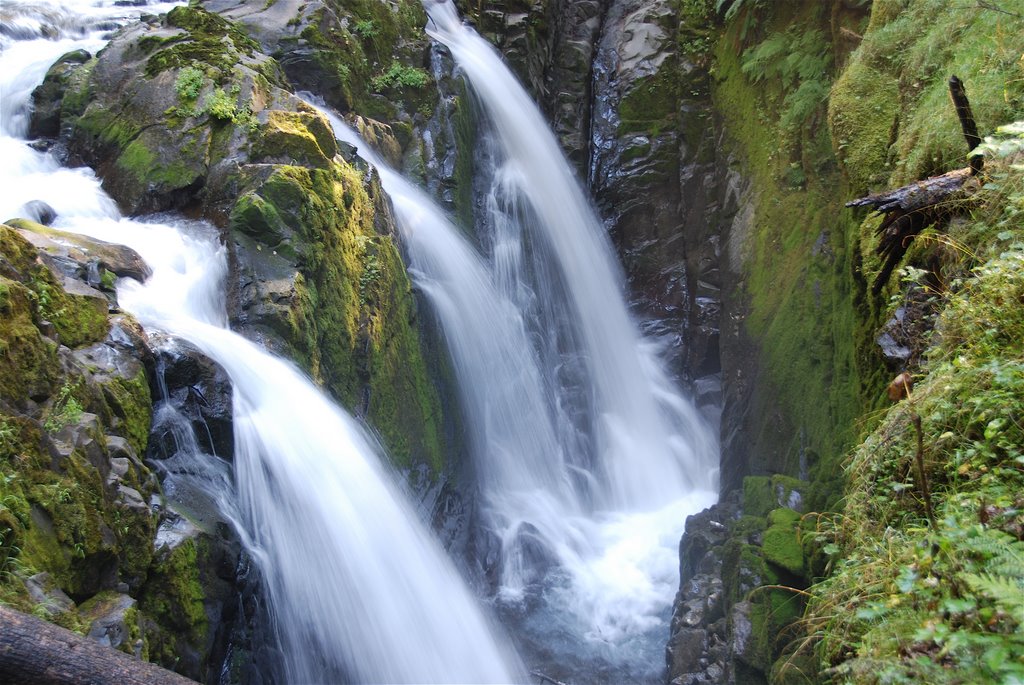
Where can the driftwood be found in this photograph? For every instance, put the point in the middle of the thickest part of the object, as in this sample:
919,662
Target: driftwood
912,208
34,652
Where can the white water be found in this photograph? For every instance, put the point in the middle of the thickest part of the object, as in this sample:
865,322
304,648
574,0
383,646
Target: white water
584,449
358,588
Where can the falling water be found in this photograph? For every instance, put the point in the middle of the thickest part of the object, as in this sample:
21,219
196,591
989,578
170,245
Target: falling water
589,512
358,588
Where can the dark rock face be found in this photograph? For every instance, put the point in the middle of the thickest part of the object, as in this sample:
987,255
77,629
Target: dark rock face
200,392
698,648
635,117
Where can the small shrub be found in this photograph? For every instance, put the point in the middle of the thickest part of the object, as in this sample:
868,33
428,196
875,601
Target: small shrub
400,76
221,106
189,83
66,410
366,28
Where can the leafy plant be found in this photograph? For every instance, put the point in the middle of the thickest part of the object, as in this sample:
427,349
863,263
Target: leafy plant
189,83
800,61
8,436
221,106
400,75
66,410
366,28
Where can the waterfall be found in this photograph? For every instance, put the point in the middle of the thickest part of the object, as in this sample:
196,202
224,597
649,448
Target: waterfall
358,588
588,460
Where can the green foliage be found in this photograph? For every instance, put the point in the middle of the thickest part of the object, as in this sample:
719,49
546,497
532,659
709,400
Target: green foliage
399,75
366,28
66,410
909,51
1008,141
189,83
909,602
800,60
221,106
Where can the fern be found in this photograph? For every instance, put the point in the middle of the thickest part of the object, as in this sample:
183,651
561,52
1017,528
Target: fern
799,61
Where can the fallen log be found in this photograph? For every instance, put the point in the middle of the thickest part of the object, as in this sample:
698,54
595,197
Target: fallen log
34,652
912,208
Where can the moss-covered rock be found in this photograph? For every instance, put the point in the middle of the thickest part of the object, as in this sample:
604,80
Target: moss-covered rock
173,598
75,520
782,545
349,314
48,97
296,138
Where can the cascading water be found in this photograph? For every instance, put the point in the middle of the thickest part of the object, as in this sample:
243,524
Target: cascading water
589,511
358,588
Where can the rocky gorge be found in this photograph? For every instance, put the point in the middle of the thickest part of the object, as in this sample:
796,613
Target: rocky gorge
719,141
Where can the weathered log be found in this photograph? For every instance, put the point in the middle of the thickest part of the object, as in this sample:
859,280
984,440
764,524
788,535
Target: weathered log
912,208
34,652
967,123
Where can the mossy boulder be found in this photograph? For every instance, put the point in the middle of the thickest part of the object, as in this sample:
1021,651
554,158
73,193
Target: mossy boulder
48,98
322,277
165,103
303,137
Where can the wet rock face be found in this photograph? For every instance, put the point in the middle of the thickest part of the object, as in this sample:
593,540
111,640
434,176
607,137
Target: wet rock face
658,183
698,650
200,392
634,116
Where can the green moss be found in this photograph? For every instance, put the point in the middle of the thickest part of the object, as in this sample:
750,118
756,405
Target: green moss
174,596
758,498
105,128
139,162
210,40
296,137
77,92
819,368
403,402
352,318
258,218
78,319
782,545
863,113
131,408
28,361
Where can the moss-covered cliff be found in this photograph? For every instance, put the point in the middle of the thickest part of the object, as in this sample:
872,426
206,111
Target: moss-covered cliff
822,103
76,528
